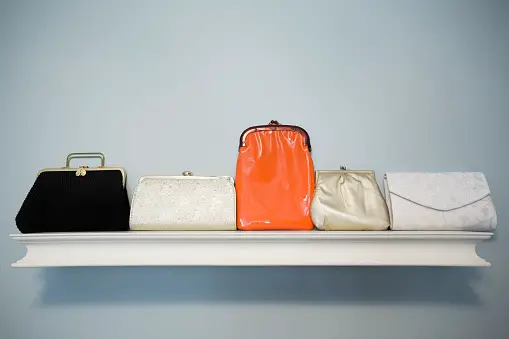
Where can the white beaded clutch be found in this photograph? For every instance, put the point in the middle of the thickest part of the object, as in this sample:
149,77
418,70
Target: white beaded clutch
183,203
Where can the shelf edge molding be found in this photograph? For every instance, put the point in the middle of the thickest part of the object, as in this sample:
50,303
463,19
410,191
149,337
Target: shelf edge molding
256,248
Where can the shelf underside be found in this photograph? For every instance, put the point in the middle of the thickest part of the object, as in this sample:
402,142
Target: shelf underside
238,248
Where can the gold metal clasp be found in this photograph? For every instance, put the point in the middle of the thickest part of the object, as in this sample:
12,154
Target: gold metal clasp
81,172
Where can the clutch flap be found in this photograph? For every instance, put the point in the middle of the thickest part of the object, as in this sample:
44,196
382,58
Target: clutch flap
442,191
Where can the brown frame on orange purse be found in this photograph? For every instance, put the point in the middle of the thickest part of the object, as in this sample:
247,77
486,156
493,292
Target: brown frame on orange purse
274,178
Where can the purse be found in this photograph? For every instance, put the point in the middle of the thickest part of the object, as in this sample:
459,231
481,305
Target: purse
447,201
348,200
79,199
183,203
274,178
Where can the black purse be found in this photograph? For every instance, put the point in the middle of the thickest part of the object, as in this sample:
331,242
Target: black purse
79,199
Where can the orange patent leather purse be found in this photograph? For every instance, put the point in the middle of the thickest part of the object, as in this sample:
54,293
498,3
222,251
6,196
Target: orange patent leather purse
274,178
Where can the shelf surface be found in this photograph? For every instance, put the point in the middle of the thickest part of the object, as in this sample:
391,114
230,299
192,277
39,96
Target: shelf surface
253,248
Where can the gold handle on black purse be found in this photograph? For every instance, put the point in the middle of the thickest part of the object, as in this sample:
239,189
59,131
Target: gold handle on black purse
84,155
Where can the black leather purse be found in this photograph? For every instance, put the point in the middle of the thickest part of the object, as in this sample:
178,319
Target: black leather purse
79,199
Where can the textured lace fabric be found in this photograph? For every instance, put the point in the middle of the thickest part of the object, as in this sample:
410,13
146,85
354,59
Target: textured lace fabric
184,203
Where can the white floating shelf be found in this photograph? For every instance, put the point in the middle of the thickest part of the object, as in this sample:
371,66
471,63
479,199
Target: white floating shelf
240,248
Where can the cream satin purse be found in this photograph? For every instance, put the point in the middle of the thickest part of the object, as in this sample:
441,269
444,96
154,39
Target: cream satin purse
348,200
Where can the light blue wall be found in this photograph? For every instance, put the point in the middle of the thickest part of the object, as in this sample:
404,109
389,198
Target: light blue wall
165,86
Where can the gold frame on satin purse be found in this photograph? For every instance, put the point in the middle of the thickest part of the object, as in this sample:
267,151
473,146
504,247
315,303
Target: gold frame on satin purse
348,200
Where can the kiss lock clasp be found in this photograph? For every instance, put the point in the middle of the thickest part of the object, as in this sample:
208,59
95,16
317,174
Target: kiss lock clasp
81,172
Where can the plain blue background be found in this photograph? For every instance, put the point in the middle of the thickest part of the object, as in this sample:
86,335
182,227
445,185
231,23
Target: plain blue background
166,86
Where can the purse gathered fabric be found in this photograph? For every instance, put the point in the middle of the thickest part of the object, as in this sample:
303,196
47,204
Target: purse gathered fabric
348,200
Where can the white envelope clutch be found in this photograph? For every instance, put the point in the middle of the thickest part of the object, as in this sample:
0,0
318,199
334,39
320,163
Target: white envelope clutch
183,203
448,201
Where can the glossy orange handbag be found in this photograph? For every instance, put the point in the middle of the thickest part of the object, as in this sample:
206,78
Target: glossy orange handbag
274,178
